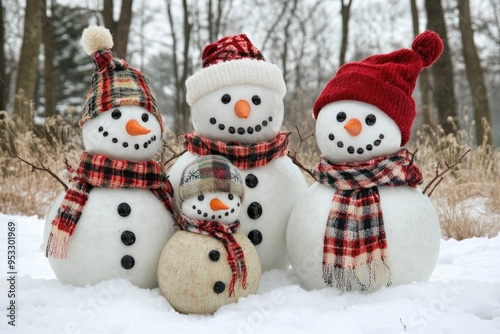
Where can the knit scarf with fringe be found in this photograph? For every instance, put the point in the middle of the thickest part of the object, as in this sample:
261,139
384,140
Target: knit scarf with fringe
97,170
354,245
223,233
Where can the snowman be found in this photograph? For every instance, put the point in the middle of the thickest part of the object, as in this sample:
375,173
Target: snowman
115,218
365,223
237,111
208,264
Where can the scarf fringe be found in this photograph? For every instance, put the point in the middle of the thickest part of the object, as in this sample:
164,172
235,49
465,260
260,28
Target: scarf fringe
378,272
57,244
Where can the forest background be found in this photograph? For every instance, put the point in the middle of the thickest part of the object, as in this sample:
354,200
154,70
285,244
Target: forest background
45,75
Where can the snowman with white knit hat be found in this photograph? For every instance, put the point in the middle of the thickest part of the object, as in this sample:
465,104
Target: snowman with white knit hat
116,217
237,112
365,223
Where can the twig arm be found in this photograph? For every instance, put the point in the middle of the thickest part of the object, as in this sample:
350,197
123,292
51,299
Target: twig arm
42,167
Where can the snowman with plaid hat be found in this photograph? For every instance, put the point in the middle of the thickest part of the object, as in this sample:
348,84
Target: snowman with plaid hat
116,216
365,223
237,112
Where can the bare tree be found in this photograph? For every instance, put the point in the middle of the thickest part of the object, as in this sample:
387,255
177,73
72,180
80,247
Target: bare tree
442,70
28,61
119,29
345,11
475,77
4,82
423,79
49,68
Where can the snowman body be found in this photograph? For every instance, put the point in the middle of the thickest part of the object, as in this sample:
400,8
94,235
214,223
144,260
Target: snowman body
194,276
250,114
410,220
121,231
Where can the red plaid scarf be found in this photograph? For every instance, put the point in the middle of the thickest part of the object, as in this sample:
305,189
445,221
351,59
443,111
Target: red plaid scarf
243,156
100,171
354,244
223,233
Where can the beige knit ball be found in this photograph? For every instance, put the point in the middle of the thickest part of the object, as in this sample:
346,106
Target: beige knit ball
195,280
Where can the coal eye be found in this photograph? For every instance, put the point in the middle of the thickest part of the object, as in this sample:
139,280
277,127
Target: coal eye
116,114
256,100
341,116
201,198
145,117
370,119
226,98
230,196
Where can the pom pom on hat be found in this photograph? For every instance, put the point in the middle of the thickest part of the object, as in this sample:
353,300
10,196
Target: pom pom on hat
209,174
386,81
96,38
233,60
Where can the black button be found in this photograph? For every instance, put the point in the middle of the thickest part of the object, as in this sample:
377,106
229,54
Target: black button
251,181
124,209
128,262
214,255
255,237
254,210
219,287
213,120
128,238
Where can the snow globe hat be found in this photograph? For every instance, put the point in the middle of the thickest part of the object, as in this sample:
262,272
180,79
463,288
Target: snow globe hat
229,61
209,174
386,81
114,83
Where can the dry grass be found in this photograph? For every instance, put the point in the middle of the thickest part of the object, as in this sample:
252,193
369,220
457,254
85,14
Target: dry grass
467,200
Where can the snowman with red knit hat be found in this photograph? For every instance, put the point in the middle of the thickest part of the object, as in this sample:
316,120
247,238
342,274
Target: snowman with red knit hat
116,216
237,112
365,223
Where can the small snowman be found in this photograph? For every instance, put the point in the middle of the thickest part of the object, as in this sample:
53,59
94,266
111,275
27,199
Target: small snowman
237,111
365,223
208,264
115,218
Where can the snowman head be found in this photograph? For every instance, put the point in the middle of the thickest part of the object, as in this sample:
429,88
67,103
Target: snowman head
211,188
355,131
120,118
237,95
368,104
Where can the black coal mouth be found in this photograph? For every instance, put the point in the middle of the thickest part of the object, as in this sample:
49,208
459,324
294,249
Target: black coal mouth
241,130
125,144
359,150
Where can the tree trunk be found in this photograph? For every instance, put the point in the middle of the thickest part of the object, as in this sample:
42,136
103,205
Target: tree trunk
423,80
346,13
187,28
442,70
49,69
119,29
475,75
28,62
4,83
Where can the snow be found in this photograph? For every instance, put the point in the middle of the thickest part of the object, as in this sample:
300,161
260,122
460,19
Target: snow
463,296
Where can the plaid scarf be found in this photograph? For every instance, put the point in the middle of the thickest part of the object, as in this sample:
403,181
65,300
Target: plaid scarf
223,233
100,171
243,156
354,245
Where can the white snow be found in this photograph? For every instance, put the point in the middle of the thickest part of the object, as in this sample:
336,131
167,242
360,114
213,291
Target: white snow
463,296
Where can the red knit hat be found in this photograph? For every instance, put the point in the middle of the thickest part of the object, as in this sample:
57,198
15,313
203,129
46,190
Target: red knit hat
385,81
114,82
230,61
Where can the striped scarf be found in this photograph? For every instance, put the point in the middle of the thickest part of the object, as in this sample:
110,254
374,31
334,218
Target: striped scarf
97,170
243,156
354,246
223,233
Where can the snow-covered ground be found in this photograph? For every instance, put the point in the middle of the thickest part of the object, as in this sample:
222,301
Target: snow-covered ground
463,296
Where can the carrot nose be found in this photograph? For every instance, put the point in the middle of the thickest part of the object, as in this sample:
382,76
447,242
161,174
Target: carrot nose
134,128
217,205
242,109
353,127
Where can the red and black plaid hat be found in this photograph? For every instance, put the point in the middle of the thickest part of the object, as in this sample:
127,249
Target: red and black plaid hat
233,60
209,174
114,82
385,81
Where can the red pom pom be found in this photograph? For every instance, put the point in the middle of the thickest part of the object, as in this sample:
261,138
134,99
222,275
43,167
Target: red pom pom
429,46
